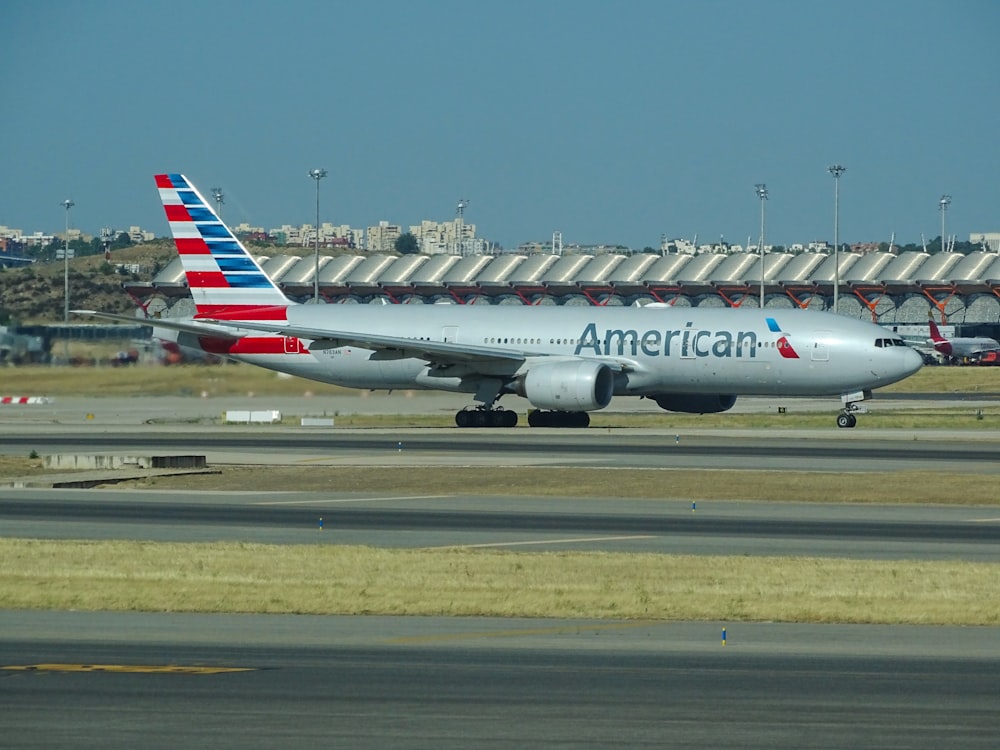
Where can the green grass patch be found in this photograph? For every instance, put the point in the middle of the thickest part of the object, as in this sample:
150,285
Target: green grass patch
917,487
239,379
329,579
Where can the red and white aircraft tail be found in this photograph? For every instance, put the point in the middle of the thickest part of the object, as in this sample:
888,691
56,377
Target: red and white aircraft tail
939,342
226,282
960,348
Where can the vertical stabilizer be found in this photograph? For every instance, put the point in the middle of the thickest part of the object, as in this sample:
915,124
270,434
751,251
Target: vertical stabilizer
940,342
225,280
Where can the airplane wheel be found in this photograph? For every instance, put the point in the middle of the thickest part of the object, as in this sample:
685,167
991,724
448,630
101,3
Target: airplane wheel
509,418
462,418
480,418
846,420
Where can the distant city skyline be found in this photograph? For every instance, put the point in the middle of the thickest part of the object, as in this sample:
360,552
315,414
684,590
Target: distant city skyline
610,123
330,231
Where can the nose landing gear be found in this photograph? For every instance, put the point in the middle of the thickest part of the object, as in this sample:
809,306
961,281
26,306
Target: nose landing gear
846,419
852,407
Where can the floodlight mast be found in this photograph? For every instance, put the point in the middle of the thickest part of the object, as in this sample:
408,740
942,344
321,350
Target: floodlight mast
943,208
836,170
761,189
67,204
460,211
219,200
317,174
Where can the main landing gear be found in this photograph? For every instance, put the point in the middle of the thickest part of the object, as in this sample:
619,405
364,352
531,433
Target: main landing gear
852,407
484,417
488,414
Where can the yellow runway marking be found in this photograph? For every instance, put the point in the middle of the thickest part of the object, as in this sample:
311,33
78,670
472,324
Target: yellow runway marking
352,500
558,630
125,668
578,540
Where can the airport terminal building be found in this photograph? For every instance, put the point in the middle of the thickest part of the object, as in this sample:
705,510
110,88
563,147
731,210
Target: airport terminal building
891,289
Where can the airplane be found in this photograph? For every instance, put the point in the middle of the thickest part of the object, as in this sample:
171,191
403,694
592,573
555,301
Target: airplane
566,361
961,348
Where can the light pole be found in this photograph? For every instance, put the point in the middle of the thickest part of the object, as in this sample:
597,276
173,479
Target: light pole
219,200
317,174
836,170
943,208
67,204
460,210
761,190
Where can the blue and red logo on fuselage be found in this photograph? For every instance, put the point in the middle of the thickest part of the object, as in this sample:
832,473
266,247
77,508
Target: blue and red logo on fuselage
784,348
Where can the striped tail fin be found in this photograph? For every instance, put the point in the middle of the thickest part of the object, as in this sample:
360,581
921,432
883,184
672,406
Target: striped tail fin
225,281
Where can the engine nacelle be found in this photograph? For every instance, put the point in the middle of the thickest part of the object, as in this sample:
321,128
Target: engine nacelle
578,385
696,403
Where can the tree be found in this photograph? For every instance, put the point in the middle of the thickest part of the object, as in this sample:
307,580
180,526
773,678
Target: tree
406,244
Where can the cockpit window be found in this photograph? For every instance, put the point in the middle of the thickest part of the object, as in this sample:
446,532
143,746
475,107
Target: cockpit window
882,343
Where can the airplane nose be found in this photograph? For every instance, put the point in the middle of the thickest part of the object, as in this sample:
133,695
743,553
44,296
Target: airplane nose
911,362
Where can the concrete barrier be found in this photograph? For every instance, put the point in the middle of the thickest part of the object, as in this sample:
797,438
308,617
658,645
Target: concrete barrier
80,462
265,416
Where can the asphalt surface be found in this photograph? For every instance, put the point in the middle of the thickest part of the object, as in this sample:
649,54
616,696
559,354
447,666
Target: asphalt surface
122,681
74,679
535,523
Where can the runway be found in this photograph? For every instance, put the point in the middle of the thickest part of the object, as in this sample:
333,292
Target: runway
535,523
77,679
621,448
80,679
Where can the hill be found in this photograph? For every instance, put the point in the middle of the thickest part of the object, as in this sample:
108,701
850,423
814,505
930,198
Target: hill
36,293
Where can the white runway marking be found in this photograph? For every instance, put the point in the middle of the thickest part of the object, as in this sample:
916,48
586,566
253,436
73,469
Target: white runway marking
353,500
578,540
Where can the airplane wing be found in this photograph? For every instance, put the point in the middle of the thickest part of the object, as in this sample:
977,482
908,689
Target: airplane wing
441,352
437,351
174,324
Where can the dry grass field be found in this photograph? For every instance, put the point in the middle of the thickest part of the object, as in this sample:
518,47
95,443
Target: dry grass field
330,579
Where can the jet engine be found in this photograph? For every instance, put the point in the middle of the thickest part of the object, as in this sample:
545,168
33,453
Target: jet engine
696,403
578,385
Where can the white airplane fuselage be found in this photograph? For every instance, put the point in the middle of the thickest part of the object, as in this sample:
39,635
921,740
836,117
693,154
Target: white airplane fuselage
655,349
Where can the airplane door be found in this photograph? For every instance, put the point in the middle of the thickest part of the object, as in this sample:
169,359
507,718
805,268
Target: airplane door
820,352
449,334
292,345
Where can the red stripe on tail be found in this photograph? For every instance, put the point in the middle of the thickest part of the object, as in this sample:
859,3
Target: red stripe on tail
210,279
242,312
192,246
177,213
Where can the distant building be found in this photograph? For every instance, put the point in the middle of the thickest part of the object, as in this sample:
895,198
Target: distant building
991,240
382,238
442,237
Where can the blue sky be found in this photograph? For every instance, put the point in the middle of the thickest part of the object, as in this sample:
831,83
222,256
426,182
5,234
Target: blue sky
611,122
